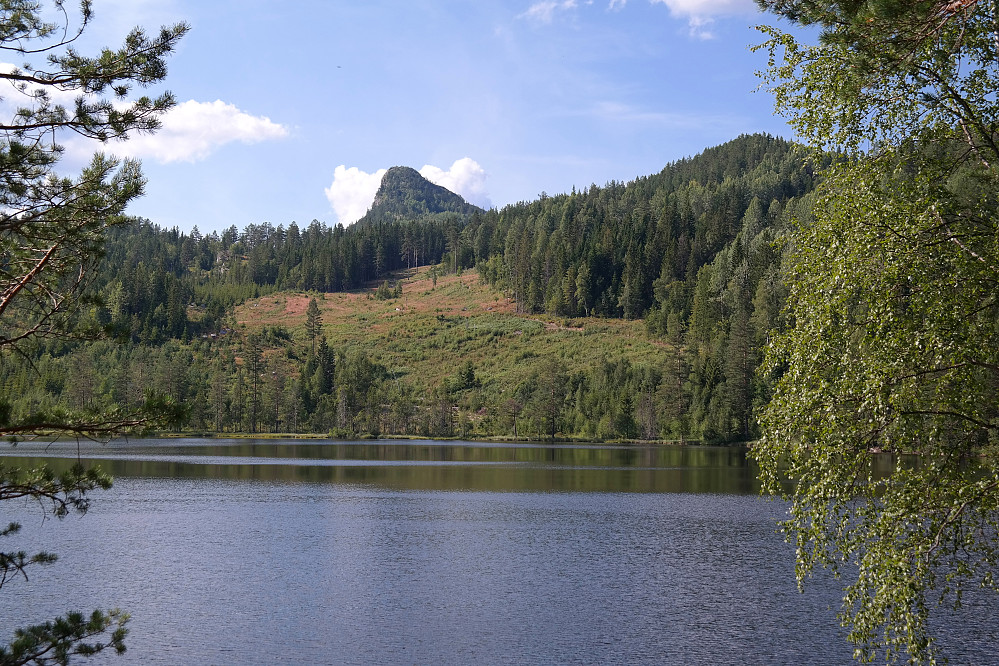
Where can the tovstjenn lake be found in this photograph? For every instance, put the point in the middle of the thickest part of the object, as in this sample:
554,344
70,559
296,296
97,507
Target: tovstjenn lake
422,552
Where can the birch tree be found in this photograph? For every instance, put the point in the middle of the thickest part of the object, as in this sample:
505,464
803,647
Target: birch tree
893,311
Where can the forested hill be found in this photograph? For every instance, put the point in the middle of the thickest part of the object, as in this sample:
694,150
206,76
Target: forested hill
404,194
689,250
625,250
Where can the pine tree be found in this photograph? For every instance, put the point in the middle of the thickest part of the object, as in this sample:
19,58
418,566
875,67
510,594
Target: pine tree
313,322
254,369
325,368
52,234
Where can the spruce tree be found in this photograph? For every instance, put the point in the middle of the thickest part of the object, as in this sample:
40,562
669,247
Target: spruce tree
313,322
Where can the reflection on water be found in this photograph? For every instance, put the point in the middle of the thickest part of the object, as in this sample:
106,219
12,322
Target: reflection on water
218,571
425,465
253,552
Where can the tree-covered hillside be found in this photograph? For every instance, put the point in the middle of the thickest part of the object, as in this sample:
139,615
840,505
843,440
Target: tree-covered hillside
624,250
691,251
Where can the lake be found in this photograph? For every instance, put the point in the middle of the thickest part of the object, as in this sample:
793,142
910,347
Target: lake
419,552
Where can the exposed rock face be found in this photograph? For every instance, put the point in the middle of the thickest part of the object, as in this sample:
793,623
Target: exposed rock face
405,194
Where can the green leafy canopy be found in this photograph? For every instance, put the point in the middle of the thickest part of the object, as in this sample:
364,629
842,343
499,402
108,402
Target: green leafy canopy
892,304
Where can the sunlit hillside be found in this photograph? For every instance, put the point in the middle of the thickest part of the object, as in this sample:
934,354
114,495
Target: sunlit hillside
425,336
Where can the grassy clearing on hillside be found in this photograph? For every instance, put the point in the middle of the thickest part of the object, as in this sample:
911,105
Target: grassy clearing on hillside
429,331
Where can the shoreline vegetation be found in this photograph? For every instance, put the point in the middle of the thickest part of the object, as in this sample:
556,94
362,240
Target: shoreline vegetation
417,438
363,437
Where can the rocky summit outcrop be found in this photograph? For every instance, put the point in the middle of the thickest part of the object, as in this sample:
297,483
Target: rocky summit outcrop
405,194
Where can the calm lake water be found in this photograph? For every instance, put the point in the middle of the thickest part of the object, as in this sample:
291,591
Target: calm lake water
256,552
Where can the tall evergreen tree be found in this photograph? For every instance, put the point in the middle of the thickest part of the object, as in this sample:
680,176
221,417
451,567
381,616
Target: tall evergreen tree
313,322
254,363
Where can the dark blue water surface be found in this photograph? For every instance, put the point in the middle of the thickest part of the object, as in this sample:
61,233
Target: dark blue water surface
434,553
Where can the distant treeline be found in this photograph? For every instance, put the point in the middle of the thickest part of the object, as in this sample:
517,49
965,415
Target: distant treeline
152,275
691,250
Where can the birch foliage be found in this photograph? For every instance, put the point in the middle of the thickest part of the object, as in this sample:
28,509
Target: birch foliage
891,346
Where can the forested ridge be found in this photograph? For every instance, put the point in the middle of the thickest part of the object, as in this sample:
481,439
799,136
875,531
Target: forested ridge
691,251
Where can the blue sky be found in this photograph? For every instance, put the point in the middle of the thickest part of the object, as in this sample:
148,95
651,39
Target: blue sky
289,110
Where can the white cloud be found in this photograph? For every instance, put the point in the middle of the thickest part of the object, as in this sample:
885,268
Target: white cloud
352,192
544,12
191,131
708,8
700,14
700,27
465,177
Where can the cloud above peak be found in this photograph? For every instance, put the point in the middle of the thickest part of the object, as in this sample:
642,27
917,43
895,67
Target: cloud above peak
352,191
465,178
